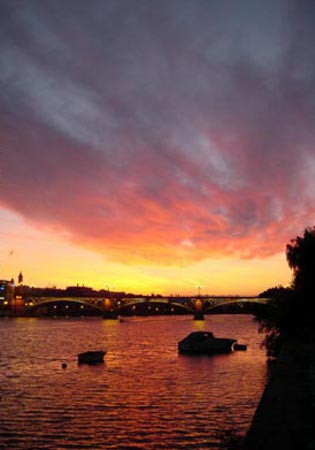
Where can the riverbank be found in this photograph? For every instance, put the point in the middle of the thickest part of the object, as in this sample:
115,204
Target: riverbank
284,417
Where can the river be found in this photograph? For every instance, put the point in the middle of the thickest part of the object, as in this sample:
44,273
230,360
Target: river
144,396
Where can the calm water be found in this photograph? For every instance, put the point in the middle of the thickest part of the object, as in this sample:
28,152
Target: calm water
145,395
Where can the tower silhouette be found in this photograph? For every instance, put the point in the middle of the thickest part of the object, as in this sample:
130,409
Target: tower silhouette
20,278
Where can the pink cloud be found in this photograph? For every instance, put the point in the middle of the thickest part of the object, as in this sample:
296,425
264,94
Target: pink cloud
167,140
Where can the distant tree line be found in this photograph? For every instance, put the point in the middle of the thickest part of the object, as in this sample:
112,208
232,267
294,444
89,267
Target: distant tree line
276,292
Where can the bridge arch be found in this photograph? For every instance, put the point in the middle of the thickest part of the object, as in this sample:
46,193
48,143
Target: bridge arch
56,304
210,306
152,304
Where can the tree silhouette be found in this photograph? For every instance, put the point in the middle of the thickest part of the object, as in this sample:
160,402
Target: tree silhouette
290,312
301,258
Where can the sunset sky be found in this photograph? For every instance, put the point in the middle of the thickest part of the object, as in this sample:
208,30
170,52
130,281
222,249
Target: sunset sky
155,146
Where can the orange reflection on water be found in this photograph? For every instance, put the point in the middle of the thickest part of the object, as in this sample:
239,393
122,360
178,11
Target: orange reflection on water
145,395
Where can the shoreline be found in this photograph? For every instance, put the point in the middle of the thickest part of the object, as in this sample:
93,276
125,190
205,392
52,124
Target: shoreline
284,416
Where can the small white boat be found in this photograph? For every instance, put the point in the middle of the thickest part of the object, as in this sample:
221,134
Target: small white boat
204,342
92,357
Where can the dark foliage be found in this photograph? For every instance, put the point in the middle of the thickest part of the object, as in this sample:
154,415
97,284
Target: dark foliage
289,314
276,292
301,258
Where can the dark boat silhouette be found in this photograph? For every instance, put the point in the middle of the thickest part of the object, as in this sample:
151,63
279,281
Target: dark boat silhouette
91,357
204,342
240,347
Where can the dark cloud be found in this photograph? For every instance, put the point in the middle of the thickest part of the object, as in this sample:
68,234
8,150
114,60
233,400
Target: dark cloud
183,126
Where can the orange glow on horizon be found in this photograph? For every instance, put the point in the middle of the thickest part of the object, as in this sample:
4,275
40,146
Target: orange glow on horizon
49,260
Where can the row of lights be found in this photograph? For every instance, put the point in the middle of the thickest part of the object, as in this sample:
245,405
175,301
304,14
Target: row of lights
67,306
150,307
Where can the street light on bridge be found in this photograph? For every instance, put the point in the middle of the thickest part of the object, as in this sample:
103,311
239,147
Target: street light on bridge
198,286
110,288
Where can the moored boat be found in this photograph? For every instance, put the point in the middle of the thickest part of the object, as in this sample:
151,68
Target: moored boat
240,347
204,342
91,357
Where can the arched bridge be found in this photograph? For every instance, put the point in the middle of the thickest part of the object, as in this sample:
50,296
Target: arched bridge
112,307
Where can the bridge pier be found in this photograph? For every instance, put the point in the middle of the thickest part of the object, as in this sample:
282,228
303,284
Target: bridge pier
110,315
198,315
198,309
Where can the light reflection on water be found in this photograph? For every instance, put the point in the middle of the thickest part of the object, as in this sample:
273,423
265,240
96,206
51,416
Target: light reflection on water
145,395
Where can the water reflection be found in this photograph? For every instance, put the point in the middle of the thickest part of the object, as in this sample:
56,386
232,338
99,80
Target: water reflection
145,395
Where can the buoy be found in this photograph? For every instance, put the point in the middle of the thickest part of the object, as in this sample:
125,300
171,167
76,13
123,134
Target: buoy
64,365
